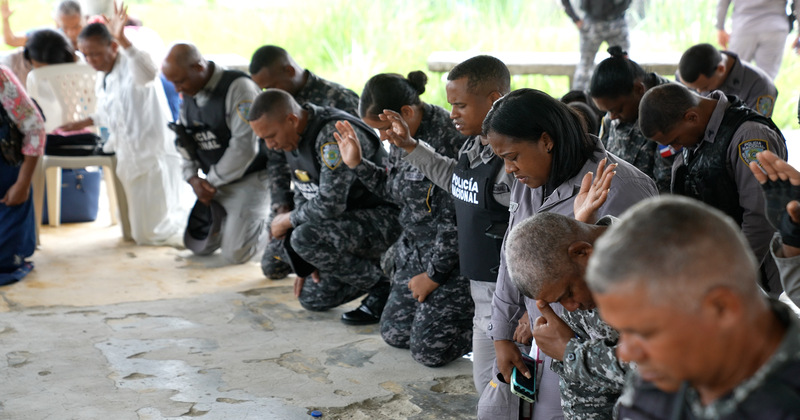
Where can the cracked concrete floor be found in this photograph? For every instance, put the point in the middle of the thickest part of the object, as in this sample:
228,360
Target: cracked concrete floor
103,329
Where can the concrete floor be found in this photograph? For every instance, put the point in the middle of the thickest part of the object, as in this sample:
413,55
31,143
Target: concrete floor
104,329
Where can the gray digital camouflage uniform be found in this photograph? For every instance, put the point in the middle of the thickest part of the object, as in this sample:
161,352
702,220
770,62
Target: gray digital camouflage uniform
591,375
345,245
320,92
439,329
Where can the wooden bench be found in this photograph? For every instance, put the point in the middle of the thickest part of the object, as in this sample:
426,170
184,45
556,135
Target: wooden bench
552,63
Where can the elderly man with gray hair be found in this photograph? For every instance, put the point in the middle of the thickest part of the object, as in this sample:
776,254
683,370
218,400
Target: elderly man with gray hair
677,279
547,256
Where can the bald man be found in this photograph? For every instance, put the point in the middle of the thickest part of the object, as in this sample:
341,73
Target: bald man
707,344
219,142
337,225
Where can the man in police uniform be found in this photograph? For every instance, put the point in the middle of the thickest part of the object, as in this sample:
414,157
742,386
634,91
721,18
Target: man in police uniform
719,139
337,225
706,69
273,67
678,279
219,141
547,256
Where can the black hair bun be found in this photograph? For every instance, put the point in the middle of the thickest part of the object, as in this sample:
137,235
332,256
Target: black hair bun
617,51
418,80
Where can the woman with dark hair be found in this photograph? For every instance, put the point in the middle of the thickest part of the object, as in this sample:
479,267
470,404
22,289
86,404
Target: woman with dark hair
617,86
430,307
48,46
17,226
543,143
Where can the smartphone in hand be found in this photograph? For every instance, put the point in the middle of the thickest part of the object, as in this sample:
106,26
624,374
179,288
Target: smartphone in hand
525,388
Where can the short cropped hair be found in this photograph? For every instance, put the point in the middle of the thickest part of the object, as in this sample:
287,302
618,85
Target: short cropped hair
537,251
98,31
391,91
676,247
701,59
664,106
267,56
526,114
483,72
272,102
68,8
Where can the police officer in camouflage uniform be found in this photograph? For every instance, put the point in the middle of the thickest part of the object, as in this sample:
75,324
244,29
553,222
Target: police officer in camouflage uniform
603,20
706,342
719,137
337,226
272,67
547,256
618,84
429,309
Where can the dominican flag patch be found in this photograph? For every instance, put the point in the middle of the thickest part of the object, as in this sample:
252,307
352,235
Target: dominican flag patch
667,151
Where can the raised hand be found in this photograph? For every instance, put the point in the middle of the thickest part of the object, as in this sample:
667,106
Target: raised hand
116,25
399,135
593,192
349,147
551,332
5,9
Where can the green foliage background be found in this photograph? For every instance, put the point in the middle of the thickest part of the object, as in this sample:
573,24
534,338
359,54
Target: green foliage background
348,41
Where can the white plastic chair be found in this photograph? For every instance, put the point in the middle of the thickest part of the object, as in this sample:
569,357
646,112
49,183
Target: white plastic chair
65,93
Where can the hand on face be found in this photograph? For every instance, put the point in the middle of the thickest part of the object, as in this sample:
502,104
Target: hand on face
551,332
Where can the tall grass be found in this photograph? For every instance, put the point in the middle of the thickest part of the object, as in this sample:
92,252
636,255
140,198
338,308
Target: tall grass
350,40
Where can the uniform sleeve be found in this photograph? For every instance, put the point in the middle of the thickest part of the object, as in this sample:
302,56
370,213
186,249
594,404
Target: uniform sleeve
503,195
592,362
722,13
508,304
439,169
374,178
280,179
335,180
22,112
761,97
789,269
189,168
750,138
243,145
444,250
141,65
570,11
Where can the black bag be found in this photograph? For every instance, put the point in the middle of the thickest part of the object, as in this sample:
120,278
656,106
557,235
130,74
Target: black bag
80,196
10,140
85,144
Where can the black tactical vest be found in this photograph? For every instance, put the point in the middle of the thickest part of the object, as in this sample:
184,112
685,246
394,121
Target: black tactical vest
208,127
482,221
707,173
305,160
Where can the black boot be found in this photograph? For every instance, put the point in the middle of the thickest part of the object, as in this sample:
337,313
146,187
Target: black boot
371,308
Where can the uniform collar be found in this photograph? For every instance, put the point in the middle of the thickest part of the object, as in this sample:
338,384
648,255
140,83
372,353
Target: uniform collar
712,128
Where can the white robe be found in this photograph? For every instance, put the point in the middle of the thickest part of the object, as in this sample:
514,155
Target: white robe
132,105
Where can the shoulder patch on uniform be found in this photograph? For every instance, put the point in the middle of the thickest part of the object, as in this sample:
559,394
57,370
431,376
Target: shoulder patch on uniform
330,155
243,109
749,148
764,105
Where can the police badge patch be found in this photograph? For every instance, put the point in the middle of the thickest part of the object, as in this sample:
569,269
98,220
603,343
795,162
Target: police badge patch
330,155
764,105
749,148
243,109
